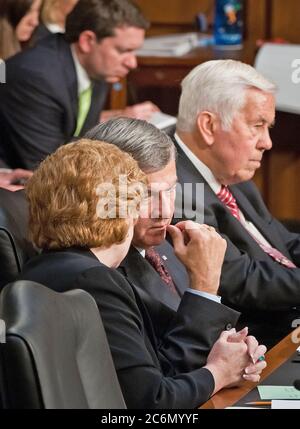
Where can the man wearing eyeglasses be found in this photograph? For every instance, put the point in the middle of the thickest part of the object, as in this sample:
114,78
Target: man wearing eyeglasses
181,287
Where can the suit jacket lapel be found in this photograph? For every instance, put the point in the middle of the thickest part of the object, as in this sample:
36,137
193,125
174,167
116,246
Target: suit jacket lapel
99,94
70,77
251,215
147,280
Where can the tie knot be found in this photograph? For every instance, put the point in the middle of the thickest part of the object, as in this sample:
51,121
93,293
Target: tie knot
226,197
86,92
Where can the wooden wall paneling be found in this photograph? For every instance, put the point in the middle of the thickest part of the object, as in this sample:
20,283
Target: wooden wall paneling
118,95
259,179
179,15
256,19
268,19
284,184
175,11
286,20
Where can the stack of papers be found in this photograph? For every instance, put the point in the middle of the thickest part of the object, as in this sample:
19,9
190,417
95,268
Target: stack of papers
173,45
162,120
285,405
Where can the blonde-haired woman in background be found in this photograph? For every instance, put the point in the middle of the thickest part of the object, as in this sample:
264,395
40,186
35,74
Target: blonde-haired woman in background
53,17
18,20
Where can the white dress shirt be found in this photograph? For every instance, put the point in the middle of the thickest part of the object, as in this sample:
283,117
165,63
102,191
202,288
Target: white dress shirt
54,28
83,80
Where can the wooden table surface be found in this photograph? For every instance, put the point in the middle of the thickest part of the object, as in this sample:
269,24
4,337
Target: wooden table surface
275,358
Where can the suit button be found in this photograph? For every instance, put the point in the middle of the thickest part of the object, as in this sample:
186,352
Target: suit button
228,327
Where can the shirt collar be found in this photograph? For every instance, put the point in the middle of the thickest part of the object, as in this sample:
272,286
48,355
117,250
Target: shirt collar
141,251
54,28
84,82
200,166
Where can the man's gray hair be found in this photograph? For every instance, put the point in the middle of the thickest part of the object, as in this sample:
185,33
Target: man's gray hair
151,148
219,87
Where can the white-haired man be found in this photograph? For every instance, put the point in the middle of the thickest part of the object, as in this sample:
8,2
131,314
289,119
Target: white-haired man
225,112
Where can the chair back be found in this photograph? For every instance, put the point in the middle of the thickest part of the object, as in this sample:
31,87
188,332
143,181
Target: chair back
15,247
56,354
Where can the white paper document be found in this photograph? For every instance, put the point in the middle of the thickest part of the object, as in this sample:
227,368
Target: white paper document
245,408
285,405
278,392
281,65
162,120
172,45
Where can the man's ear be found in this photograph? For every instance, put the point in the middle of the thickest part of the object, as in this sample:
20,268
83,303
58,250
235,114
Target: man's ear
206,125
87,39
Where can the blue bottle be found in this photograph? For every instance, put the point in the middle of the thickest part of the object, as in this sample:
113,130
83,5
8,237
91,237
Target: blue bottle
228,26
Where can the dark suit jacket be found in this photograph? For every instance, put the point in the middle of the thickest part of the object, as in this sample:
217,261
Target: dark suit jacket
265,291
2,163
39,103
152,374
40,33
162,304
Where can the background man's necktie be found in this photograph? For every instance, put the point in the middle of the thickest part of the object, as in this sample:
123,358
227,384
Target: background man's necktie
230,202
226,197
155,260
84,104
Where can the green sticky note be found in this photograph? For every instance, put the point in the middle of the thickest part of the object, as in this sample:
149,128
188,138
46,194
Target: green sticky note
278,392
